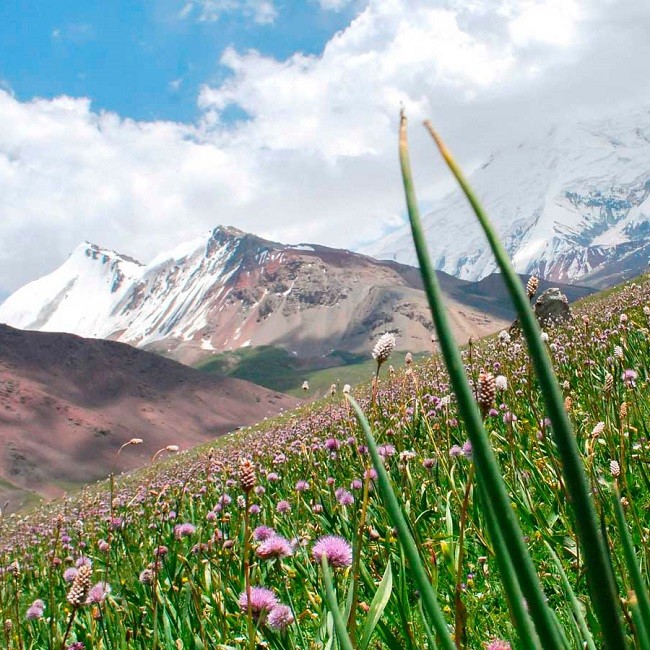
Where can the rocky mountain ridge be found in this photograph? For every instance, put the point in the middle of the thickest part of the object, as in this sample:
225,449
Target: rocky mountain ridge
572,204
229,289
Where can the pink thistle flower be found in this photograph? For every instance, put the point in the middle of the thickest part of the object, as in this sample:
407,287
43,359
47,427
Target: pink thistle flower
69,574
344,497
283,506
336,550
184,530
455,451
280,617
498,644
274,547
262,533
36,610
98,593
262,601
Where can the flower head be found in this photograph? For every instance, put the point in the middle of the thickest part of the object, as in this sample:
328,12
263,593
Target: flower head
280,617
184,530
98,593
336,550
35,610
498,644
275,546
262,601
383,348
262,532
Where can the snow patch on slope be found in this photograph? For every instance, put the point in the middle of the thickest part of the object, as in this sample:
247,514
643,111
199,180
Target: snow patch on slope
553,200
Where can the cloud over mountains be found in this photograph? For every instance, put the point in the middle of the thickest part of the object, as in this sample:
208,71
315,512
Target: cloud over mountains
314,149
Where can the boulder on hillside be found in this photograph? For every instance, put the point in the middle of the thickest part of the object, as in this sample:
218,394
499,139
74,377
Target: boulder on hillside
552,306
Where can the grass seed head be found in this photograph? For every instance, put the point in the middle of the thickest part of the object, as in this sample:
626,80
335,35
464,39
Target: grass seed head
247,475
80,586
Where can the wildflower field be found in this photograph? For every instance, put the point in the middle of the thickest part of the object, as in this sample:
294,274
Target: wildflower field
502,505
164,564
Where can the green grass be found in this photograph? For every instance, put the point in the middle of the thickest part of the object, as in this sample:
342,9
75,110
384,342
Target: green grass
198,583
275,368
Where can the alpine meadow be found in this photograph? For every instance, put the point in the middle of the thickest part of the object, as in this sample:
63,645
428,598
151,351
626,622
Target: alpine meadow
493,496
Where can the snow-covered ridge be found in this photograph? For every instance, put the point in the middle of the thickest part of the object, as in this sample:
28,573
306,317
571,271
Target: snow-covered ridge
565,203
228,290
98,293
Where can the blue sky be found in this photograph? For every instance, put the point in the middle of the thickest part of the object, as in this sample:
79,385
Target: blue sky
120,121
146,59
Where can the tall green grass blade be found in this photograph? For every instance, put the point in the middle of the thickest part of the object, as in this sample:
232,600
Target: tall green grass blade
339,624
573,601
640,588
527,634
641,624
427,594
601,579
486,463
377,606
427,630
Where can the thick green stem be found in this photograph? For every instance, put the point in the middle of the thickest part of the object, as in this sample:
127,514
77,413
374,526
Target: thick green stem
604,595
487,467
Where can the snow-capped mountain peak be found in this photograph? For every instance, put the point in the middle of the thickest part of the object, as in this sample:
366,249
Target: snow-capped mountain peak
228,289
569,204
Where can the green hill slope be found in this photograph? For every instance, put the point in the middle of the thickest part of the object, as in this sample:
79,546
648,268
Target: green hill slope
177,541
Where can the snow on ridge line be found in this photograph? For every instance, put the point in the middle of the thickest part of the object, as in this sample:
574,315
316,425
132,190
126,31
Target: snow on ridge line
566,190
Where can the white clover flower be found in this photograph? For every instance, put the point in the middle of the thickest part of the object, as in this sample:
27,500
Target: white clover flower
383,348
501,382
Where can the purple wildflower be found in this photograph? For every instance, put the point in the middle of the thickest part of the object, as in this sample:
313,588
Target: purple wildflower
455,451
283,506
35,610
146,576
280,617
275,546
262,532
498,644
302,486
629,377
344,497
98,593
69,574
184,530
370,473
262,601
336,550
467,450
509,417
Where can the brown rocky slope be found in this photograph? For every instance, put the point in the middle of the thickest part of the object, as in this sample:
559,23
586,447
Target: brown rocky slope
67,404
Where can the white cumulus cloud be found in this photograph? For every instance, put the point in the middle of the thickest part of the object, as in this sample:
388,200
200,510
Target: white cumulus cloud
316,158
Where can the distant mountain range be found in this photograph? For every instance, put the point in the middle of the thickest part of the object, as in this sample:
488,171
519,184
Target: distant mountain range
69,403
571,205
230,289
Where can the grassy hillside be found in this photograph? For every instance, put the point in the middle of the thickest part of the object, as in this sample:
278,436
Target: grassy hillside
173,541
277,369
